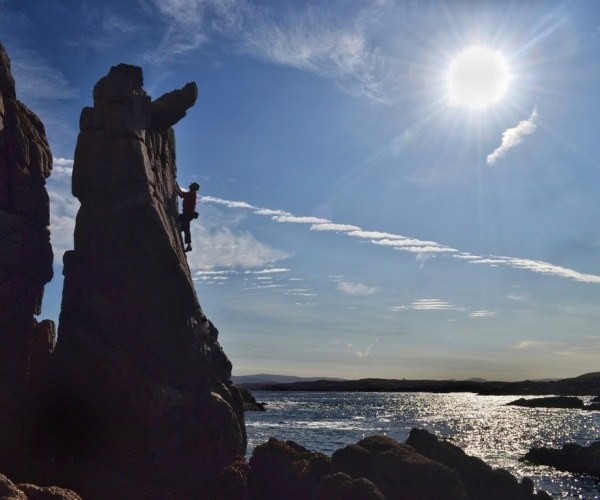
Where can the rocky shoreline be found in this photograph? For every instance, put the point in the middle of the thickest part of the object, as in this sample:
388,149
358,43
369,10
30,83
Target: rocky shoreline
375,468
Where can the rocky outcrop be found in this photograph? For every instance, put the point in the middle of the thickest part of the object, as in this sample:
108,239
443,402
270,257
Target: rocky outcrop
571,457
375,468
480,479
142,387
25,266
11,491
567,402
549,402
250,403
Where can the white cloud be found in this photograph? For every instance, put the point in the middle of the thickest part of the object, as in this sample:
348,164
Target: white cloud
275,270
374,235
299,220
421,247
356,288
482,314
268,211
514,136
227,203
310,42
333,227
222,247
63,210
62,167
337,49
433,305
414,246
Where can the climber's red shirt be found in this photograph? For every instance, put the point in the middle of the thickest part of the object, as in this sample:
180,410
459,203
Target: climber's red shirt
189,201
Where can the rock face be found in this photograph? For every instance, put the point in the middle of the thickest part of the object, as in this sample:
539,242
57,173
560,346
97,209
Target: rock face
143,387
25,264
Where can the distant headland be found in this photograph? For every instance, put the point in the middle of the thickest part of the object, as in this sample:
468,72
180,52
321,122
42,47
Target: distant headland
584,385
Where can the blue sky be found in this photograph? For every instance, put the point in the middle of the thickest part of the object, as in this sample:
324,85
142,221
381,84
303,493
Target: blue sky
355,220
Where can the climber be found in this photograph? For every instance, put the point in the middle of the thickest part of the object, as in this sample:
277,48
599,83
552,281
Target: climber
188,211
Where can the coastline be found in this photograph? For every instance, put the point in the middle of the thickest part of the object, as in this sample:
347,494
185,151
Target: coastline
583,385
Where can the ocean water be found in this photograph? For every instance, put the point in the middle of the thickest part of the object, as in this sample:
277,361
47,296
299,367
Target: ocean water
483,426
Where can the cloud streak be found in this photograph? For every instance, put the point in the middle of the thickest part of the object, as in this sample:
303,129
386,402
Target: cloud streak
356,289
512,137
422,248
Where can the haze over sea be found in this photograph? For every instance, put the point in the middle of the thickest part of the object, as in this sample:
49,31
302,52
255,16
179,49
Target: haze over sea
482,426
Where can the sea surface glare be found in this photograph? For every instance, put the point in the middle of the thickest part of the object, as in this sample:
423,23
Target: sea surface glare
482,426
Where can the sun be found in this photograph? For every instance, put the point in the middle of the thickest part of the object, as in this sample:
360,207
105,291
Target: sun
478,78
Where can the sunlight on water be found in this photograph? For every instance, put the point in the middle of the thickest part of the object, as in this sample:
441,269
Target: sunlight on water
481,425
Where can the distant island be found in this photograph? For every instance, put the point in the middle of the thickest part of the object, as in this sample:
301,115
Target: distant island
583,385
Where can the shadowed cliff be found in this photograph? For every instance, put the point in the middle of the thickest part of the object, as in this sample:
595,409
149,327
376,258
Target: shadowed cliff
25,265
143,399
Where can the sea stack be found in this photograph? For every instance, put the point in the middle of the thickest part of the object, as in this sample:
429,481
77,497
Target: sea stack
142,396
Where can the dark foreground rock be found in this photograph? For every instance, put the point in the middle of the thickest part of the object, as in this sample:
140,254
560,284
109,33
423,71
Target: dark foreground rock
25,267
375,468
11,491
141,403
571,457
480,479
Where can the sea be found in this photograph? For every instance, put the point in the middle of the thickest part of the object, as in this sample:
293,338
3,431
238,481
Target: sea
483,426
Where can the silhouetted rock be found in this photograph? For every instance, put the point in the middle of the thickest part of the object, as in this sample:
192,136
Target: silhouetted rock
11,491
571,457
398,470
480,479
340,486
25,267
250,403
550,402
285,470
596,399
379,467
142,387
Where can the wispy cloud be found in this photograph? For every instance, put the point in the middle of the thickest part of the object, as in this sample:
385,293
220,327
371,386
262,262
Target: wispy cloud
330,226
514,136
433,305
309,40
299,220
366,352
422,248
37,79
274,270
482,313
356,288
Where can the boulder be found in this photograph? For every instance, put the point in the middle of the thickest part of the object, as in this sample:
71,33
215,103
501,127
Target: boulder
571,457
285,470
398,470
479,478
141,388
340,486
